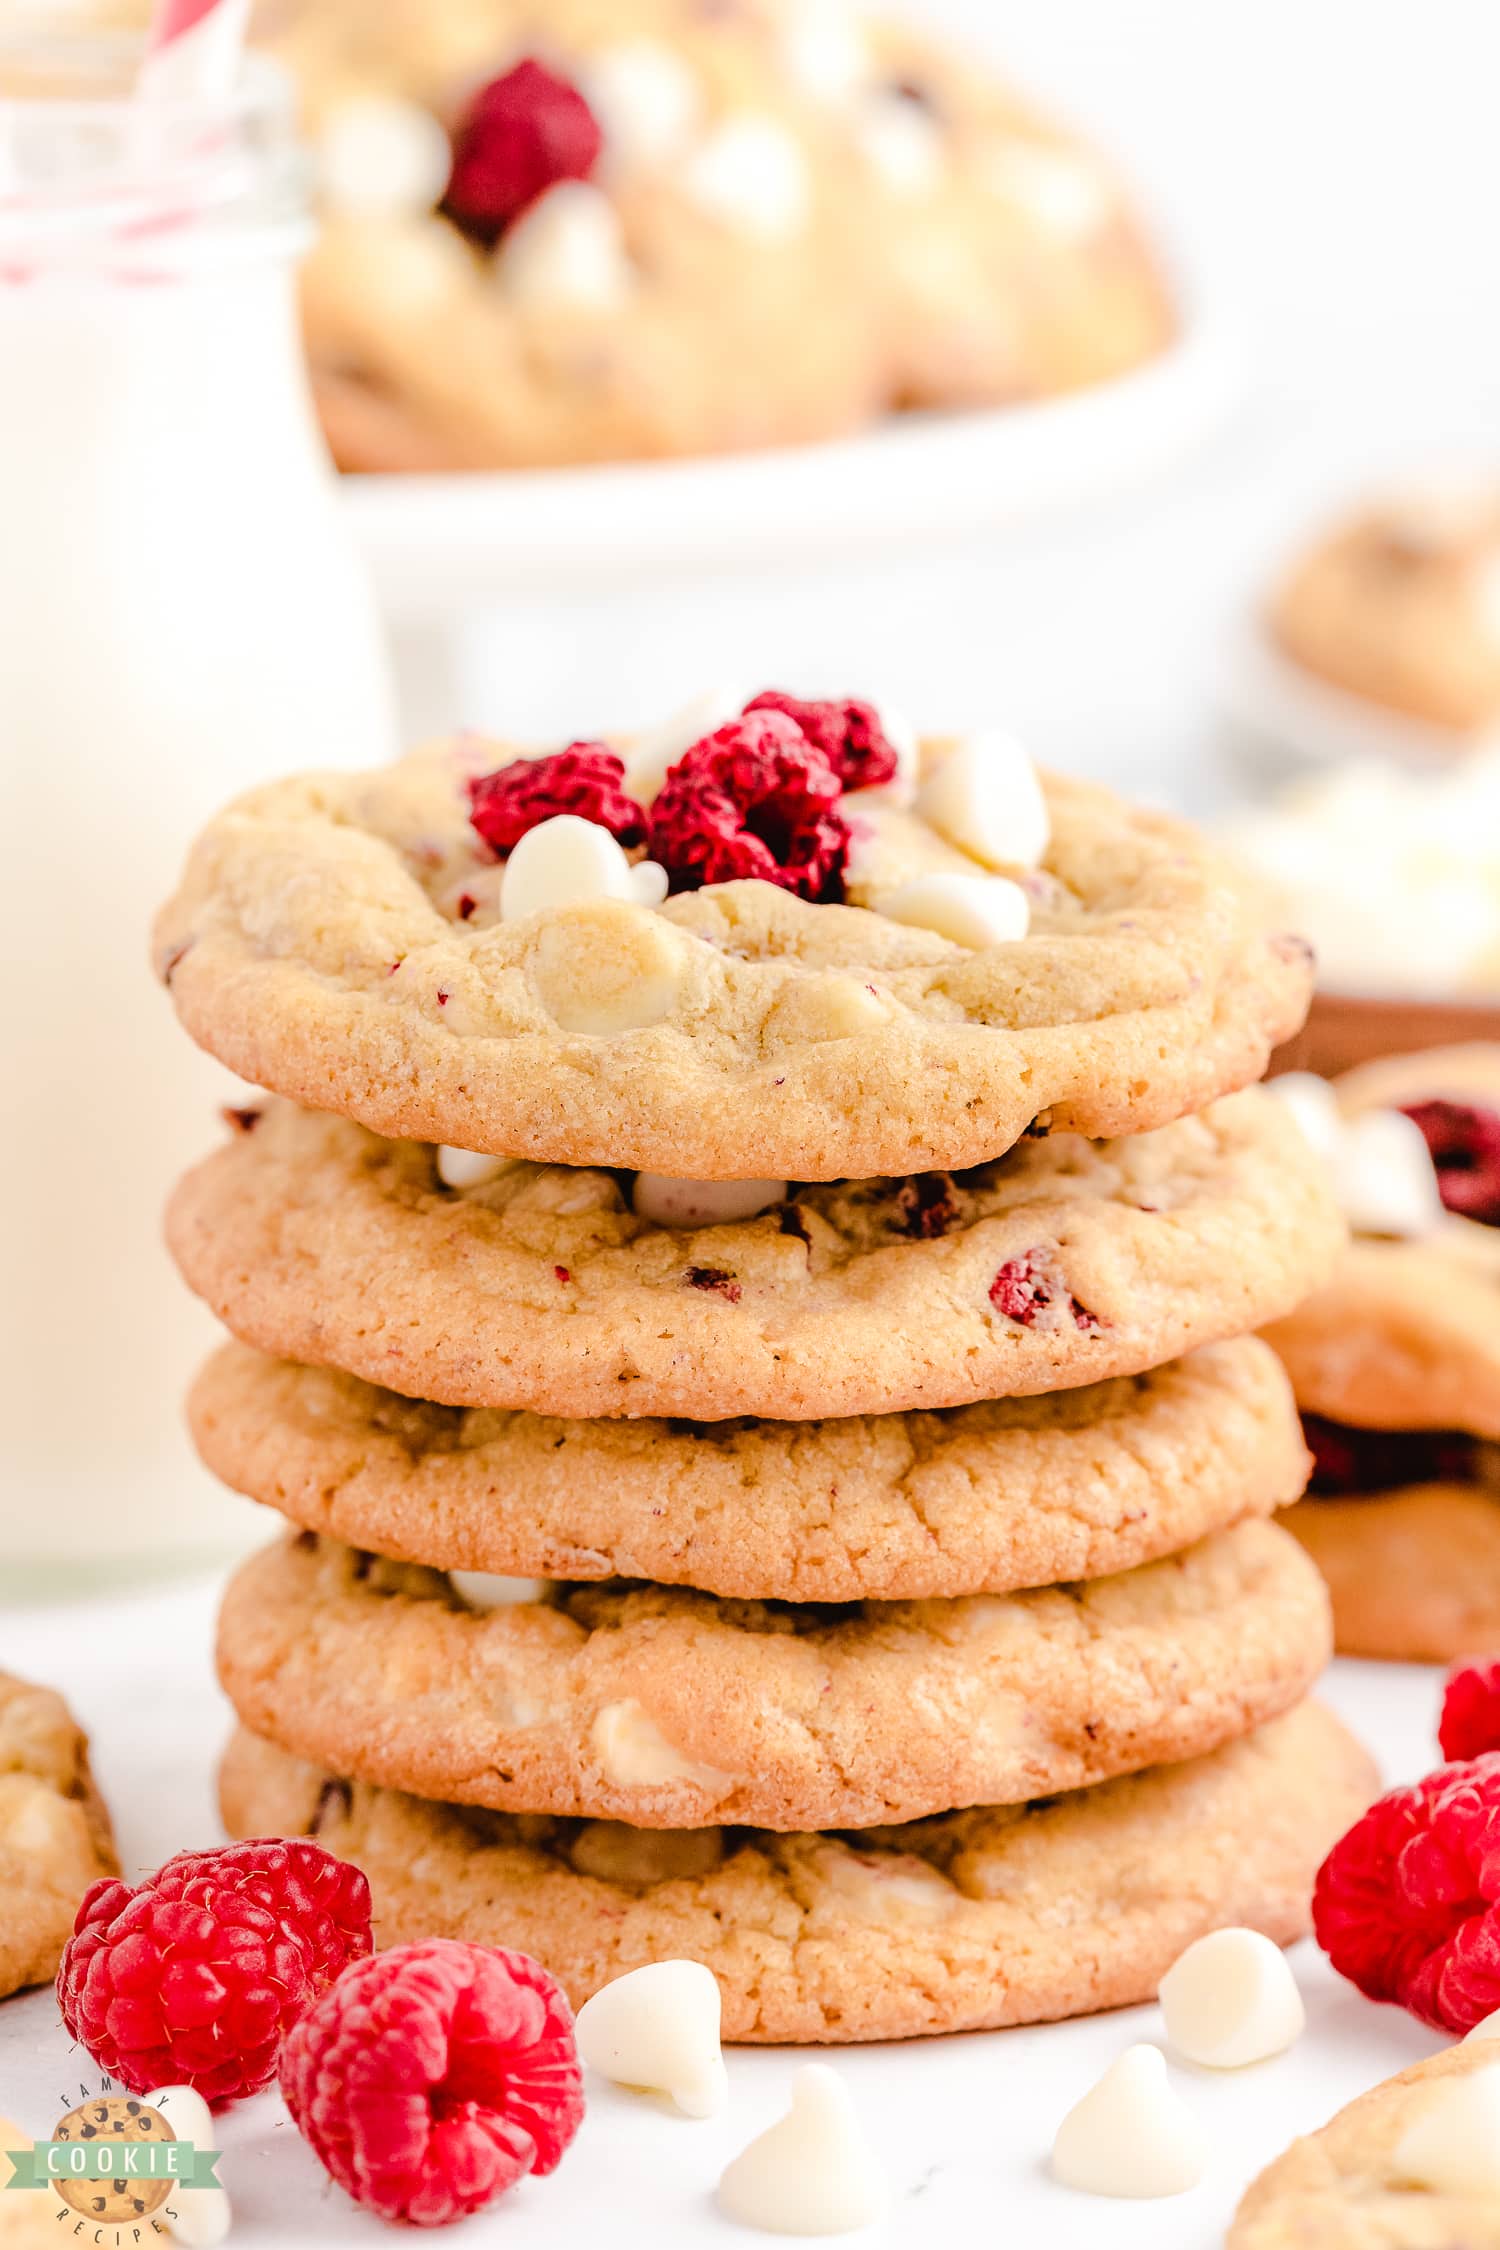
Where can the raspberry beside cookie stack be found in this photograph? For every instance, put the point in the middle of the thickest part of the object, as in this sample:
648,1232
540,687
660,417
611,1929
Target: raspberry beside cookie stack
821,1575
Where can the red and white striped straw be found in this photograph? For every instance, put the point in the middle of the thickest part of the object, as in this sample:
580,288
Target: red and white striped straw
193,50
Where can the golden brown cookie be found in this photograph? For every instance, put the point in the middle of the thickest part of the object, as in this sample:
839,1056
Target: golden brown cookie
1343,2189
1413,1574
54,1831
335,938
976,1920
670,1709
982,1499
1400,606
1065,1262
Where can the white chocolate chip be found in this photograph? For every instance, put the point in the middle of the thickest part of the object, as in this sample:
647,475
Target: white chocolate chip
198,2217
567,249
1064,191
383,158
562,862
976,910
825,49
1231,1999
650,754
658,2028
1131,2135
611,1852
645,97
891,1887
649,883
466,1168
1454,2146
1386,1178
702,1203
814,2172
902,141
1488,2028
606,968
985,798
1314,1104
634,1752
486,1589
751,175
902,737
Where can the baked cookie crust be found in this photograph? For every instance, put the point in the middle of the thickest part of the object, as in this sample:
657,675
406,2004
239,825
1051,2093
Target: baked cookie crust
1414,1575
55,1835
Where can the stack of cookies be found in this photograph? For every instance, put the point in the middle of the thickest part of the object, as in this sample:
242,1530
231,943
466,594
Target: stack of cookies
744,1299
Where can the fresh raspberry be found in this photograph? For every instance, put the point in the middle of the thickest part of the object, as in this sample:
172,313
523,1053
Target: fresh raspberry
1026,1290
849,735
585,779
1470,1725
1465,1146
1348,1461
1406,1904
196,1976
433,2077
519,136
757,799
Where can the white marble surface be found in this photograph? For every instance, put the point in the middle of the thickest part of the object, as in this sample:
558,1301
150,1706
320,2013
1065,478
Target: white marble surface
964,2124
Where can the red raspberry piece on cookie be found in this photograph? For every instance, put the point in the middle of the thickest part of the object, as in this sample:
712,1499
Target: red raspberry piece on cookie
849,735
586,779
1027,1290
196,1976
519,136
433,2077
756,800
1406,1904
1465,1146
1470,1725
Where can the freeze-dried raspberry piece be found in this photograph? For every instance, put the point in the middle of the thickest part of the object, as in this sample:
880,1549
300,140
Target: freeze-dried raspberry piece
849,735
519,136
1348,1461
1470,1725
1026,1289
195,1976
433,2077
926,1206
716,1279
1465,1145
1406,1904
755,800
585,779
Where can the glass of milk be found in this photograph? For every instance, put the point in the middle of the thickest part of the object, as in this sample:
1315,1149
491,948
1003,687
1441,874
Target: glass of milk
181,615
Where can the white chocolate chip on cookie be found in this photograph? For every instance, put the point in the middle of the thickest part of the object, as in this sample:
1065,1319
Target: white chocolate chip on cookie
985,798
613,1852
658,2028
567,249
1231,1999
634,1752
973,910
751,175
645,98
902,142
1314,1104
1454,2146
1489,2028
1386,1178
1131,2135
487,1589
468,1168
650,755
702,1203
814,2172
381,158
561,862
606,967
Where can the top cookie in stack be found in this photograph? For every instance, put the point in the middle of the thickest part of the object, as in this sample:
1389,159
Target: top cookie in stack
762,1069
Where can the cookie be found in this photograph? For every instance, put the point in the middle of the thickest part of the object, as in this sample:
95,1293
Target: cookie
1342,2189
1413,1574
897,226
979,1919
1066,1262
335,938
671,1709
982,1499
1399,607
54,1831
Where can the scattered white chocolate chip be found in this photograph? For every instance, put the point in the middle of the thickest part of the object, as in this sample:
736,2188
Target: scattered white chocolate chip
814,2172
1314,1104
1454,2146
466,1168
562,862
702,1203
1488,2028
658,2028
976,910
486,1589
751,175
904,144
633,1751
383,158
1231,1999
985,798
650,754
1131,2135
649,883
198,2217
825,49
567,249
1063,190
645,97
1386,1178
